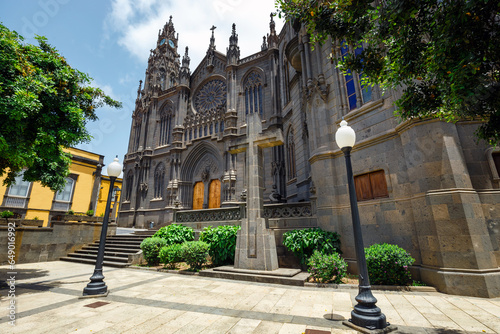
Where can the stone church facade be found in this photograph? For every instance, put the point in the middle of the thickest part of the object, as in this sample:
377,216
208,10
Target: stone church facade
424,185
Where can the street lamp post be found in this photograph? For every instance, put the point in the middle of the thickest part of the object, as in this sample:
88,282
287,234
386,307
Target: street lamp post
96,286
365,313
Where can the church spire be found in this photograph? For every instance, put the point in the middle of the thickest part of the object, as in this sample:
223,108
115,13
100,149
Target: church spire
233,51
272,37
211,51
184,73
211,47
186,59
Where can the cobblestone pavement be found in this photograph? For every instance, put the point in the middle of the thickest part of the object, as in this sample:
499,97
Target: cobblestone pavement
141,301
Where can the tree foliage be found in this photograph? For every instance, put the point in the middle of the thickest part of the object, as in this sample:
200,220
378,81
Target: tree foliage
44,107
445,54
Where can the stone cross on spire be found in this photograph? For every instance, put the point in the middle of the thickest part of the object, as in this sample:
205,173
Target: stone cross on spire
212,39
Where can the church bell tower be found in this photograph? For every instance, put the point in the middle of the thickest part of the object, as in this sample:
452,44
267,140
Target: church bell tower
164,61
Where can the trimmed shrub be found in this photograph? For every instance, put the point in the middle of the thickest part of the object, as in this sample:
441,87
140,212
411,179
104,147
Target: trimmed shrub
327,267
388,264
151,249
171,255
304,242
175,234
222,243
195,254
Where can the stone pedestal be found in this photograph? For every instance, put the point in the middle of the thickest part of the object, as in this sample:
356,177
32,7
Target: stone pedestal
256,245
255,250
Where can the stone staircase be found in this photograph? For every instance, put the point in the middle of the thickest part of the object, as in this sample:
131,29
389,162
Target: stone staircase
118,251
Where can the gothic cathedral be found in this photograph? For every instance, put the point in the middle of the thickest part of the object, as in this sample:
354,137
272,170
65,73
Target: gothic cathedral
424,185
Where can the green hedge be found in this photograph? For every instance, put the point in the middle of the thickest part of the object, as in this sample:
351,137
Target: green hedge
388,264
151,249
195,254
222,243
175,234
327,267
171,255
304,242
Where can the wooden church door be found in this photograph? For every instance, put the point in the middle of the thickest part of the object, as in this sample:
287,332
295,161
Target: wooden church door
214,194
198,195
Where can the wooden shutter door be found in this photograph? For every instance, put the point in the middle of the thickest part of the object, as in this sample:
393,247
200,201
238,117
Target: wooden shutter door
363,187
214,194
198,194
379,184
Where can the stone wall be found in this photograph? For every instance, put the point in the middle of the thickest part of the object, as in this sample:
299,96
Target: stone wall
39,244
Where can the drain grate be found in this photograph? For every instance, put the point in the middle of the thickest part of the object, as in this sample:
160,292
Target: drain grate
96,304
316,331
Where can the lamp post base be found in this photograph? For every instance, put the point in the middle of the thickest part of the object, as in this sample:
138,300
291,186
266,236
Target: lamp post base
96,286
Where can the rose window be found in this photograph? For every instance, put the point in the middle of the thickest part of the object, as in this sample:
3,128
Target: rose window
210,96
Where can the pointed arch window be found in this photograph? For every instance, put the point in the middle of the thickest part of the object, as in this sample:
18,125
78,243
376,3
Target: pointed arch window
357,93
165,125
290,152
129,185
137,133
159,178
253,93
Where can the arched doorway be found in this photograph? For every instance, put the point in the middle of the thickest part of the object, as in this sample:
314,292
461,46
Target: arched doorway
198,195
214,194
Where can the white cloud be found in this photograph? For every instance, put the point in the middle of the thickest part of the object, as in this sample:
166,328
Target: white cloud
135,24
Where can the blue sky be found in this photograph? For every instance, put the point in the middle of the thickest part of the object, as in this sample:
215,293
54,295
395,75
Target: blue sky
110,40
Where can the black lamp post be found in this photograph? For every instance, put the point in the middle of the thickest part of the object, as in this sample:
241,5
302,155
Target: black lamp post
365,313
96,286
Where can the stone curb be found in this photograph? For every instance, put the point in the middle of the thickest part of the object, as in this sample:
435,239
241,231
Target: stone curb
312,285
374,287
162,270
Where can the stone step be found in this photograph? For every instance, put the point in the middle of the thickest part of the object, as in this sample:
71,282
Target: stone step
116,251
297,280
92,256
127,246
106,253
131,237
92,261
128,242
148,233
111,249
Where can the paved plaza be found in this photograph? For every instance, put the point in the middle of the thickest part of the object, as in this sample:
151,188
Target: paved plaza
142,301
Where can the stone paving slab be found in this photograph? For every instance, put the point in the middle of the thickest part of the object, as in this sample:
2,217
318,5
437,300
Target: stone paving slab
139,301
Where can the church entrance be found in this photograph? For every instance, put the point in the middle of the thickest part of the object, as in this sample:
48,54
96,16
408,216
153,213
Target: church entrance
198,195
214,194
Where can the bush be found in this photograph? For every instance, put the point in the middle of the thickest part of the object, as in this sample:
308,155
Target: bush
388,264
304,242
195,254
7,214
175,234
71,212
151,249
90,213
327,267
222,243
171,255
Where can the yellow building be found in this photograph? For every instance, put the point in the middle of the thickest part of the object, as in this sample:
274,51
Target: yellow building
83,187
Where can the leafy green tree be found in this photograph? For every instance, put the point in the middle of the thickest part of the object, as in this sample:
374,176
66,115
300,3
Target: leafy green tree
445,54
44,107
